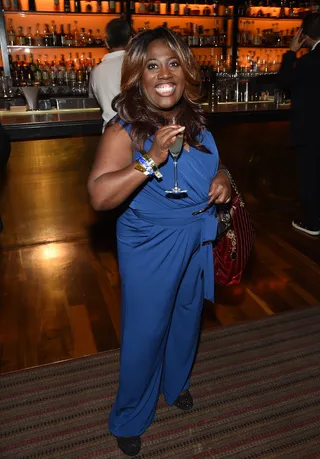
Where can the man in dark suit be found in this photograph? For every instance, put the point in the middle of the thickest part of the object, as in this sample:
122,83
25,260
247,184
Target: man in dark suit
302,77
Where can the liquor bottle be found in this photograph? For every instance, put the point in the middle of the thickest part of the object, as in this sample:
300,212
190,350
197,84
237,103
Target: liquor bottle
132,7
88,6
54,67
176,8
21,39
76,35
215,8
222,39
37,72
150,7
69,62
98,39
157,6
83,37
68,36
38,38
260,13
28,77
90,39
32,64
168,7
56,5
282,13
61,71
32,5
216,36
77,6
11,33
89,62
142,7
99,6
16,5
47,38
206,9
54,35
62,35
45,71
29,37
187,10
195,11
67,7
6,5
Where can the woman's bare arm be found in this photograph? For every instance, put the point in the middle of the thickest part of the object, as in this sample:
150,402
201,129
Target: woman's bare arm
113,177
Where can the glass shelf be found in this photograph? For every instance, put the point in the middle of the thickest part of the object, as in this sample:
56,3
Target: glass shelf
54,47
209,46
264,46
263,18
61,13
192,16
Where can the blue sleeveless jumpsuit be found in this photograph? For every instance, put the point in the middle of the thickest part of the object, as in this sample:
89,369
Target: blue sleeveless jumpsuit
166,273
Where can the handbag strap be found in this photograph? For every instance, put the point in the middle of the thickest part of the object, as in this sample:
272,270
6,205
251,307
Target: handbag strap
233,185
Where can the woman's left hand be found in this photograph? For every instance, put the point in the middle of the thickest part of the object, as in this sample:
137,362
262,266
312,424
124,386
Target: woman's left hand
220,189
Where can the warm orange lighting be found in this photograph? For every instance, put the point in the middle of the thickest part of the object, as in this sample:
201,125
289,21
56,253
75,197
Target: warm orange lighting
51,251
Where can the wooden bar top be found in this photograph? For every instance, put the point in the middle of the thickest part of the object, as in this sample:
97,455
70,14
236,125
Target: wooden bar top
27,125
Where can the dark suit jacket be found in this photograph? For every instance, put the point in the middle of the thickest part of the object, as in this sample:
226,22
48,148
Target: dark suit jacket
302,77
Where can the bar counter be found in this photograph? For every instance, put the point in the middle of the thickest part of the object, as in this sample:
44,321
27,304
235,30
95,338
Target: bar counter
65,123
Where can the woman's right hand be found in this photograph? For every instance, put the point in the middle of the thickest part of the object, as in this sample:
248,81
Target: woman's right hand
163,138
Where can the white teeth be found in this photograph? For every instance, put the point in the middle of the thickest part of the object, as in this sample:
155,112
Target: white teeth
165,89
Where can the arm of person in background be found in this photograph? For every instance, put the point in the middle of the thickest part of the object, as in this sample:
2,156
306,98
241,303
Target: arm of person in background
291,72
91,93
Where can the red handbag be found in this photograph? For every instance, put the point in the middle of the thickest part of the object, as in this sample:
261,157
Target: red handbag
232,251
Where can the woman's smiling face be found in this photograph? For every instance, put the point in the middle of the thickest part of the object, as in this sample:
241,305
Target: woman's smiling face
163,80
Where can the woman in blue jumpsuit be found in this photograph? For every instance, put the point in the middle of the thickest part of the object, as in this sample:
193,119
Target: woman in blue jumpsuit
165,264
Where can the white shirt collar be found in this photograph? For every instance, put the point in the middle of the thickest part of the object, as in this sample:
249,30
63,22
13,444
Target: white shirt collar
316,44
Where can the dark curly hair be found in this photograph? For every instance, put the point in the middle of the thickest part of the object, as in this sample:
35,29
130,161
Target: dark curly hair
133,108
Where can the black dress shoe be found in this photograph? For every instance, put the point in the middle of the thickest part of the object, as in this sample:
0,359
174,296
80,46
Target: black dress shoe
129,445
184,401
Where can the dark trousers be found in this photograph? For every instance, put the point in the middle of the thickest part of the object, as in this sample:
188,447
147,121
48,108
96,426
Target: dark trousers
308,161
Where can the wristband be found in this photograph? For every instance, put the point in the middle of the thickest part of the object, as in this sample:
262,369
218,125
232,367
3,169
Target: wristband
147,167
139,167
153,166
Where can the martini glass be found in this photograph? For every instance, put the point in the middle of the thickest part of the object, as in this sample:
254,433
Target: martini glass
175,151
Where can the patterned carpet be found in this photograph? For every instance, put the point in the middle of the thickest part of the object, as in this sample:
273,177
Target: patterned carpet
256,387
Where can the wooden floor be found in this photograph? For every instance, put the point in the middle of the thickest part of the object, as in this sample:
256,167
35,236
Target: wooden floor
59,280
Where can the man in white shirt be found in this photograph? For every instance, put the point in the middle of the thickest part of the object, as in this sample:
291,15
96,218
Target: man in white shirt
105,78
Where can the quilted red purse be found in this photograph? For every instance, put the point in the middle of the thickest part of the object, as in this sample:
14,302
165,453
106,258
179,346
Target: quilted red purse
232,250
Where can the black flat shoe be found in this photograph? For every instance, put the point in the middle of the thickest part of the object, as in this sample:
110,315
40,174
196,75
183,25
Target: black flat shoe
129,445
184,401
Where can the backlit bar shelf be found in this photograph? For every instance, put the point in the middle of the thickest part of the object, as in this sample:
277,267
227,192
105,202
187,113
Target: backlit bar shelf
55,47
195,16
59,13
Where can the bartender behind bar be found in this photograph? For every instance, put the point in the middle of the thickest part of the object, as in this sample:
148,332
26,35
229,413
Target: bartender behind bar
105,78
